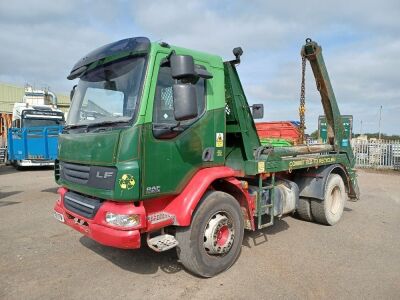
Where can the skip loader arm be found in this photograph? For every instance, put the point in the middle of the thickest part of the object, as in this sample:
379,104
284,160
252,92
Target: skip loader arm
335,130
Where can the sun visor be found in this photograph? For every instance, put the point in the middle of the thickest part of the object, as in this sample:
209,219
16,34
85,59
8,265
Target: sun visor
138,44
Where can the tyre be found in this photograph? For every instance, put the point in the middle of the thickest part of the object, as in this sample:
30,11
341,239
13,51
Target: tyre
18,166
212,243
330,210
304,209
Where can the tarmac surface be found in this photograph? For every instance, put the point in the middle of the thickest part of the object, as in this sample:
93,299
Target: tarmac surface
41,258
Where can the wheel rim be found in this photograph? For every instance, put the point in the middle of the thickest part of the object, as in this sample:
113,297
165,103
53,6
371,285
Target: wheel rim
335,200
219,234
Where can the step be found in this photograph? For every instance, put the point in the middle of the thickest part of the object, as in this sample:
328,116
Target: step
162,242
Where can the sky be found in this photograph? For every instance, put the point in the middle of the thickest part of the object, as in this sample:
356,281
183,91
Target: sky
42,39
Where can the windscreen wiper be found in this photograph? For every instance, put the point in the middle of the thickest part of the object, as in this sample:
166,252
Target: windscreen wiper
105,123
74,126
90,126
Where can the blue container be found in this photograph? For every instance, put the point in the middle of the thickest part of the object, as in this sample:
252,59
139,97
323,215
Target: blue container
34,143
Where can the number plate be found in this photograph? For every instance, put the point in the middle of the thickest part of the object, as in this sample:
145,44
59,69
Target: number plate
59,217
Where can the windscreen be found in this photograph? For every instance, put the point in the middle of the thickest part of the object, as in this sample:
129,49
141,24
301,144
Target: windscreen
108,93
41,122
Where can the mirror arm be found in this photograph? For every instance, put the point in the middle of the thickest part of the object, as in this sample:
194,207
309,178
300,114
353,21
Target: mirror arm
203,73
166,61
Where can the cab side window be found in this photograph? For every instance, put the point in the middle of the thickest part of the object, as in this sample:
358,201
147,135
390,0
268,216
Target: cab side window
163,112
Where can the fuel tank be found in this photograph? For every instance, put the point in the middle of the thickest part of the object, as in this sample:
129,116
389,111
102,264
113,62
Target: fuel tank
286,197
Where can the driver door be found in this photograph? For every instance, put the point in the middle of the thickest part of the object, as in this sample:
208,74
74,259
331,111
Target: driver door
171,156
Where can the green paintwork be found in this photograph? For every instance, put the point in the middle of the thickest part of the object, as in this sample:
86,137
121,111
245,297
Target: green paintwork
164,167
169,163
117,194
335,130
99,148
241,131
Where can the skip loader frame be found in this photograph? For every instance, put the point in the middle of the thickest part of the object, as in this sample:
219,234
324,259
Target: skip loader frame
183,165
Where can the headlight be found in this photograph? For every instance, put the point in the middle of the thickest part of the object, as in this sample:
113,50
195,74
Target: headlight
122,220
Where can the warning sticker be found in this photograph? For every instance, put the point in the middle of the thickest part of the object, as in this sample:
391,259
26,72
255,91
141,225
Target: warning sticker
261,166
219,139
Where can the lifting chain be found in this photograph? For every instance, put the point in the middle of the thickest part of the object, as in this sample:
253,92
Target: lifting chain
302,107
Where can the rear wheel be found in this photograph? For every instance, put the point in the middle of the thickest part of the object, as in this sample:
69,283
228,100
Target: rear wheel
304,209
330,210
212,243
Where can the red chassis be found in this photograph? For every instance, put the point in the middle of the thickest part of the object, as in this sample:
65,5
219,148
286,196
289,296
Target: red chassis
156,213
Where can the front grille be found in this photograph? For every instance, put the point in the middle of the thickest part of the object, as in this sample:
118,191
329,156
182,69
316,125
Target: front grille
75,173
83,206
93,176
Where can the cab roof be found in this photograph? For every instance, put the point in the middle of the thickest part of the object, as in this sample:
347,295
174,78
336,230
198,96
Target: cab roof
133,46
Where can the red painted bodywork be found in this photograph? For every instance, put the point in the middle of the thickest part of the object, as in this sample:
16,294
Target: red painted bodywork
155,213
183,206
102,232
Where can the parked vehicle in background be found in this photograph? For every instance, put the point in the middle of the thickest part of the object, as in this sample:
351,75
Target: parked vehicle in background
36,124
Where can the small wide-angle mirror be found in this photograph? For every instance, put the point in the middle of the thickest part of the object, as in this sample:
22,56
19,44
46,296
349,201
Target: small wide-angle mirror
185,102
257,111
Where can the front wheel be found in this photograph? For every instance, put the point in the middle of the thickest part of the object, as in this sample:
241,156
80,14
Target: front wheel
212,242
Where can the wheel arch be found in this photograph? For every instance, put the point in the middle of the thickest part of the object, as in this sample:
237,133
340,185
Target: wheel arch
233,187
312,182
183,206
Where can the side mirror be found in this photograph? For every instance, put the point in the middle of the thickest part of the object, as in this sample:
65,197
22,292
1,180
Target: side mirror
182,66
71,94
185,102
257,111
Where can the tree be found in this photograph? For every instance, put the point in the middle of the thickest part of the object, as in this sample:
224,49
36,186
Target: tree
314,135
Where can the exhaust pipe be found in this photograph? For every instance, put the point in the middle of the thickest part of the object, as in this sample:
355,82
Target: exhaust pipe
53,98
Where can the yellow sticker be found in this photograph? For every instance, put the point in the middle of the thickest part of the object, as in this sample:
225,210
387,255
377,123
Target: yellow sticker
261,166
126,182
219,140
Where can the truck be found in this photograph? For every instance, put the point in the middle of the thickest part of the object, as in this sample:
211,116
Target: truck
36,124
160,148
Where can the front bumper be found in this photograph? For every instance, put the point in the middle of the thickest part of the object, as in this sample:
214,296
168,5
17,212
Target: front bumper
100,231
35,163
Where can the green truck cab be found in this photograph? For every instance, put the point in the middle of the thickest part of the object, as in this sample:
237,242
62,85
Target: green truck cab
160,141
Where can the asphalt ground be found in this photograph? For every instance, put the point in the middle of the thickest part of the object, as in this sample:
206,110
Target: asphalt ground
359,258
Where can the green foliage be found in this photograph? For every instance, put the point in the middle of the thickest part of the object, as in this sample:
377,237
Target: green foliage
314,135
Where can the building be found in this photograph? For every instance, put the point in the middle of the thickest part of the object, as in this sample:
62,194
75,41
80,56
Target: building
9,94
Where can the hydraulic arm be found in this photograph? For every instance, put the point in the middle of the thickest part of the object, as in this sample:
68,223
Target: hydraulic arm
335,130
313,53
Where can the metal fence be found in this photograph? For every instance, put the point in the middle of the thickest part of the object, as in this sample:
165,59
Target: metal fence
377,154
